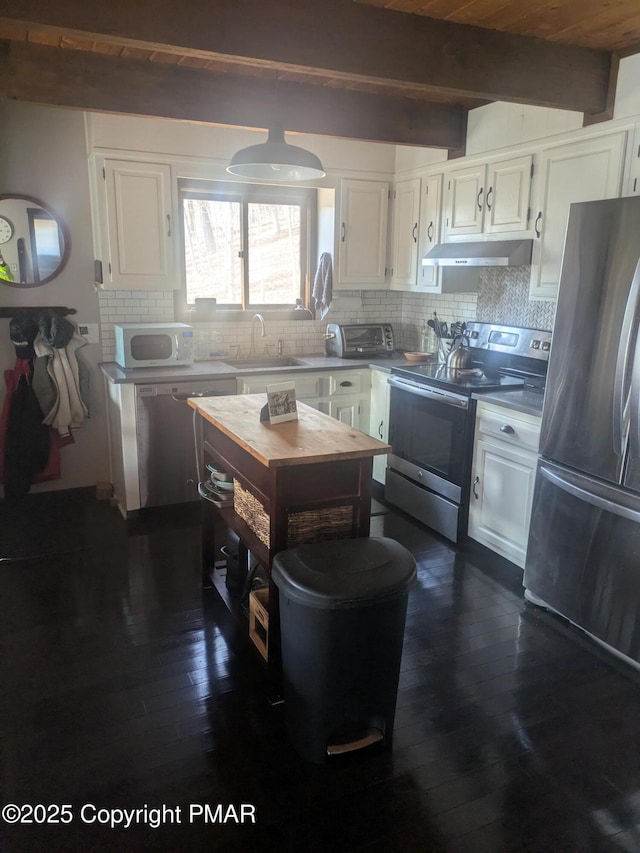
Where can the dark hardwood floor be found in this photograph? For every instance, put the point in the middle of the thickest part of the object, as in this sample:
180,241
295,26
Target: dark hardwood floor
124,686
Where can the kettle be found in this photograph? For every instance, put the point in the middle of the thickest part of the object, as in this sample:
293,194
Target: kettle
460,357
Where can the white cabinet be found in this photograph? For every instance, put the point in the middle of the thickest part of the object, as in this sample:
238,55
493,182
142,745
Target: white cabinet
379,418
309,386
362,233
343,394
489,198
633,185
465,201
581,171
136,226
428,208
502,479
429,278
406,222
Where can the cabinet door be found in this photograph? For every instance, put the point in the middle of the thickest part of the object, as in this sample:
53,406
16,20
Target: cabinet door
508,195
583,171
429,278
406,216
139,226
633,187
362,232
307,385
347,410
465,201
501,495
379,419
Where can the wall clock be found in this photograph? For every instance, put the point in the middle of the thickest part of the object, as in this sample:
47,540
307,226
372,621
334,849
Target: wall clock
6,230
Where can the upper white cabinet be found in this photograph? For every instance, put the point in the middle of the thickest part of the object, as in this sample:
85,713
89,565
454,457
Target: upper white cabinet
586,170
137,228
362,233
491,198
406,222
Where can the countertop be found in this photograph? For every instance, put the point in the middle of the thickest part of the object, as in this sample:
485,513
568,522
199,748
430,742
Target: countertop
522,401
528,402
313,437
204,370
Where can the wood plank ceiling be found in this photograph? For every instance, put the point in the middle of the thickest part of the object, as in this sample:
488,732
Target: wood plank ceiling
399,71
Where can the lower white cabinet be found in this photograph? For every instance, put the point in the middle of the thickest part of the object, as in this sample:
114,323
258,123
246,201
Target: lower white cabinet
343,394
502,479
379,419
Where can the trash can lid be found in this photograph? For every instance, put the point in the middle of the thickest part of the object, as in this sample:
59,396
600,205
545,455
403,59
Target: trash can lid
344,573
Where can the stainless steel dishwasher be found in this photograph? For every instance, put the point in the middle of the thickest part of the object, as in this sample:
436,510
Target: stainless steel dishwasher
164,433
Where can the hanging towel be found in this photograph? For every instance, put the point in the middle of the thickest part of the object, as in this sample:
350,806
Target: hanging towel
59,375
322,292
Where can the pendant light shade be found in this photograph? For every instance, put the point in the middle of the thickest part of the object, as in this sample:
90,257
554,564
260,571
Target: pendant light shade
276,160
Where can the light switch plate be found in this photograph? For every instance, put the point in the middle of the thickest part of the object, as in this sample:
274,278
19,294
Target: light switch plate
89,331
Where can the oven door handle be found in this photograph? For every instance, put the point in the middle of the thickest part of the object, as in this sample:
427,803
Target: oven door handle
430,393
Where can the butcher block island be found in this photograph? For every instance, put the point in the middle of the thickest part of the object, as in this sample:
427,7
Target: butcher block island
300,481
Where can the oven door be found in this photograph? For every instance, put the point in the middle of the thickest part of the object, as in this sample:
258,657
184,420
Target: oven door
429,434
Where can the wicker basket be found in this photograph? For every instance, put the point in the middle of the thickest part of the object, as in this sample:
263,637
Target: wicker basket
318,525
315,525
252,513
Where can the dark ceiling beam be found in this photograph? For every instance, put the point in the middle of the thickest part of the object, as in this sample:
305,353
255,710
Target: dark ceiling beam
349,41
92,81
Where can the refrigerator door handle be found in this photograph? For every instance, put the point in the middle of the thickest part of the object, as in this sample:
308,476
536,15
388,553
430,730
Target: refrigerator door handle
620,400
598,498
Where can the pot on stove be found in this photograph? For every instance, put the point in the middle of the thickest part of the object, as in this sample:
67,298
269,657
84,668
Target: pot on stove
460,357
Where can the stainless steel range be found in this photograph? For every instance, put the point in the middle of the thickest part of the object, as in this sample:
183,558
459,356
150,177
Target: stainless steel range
432,416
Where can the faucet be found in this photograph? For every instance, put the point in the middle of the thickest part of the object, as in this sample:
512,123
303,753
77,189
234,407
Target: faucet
260,319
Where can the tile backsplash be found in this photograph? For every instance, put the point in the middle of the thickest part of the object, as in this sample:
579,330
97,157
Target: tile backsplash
502,297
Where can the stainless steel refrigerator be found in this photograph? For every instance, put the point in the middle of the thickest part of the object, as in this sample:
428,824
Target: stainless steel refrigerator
583,557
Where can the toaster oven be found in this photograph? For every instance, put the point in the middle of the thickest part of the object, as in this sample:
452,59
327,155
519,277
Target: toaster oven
357,341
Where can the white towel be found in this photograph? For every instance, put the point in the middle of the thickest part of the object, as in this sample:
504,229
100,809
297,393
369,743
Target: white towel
322,292
69,410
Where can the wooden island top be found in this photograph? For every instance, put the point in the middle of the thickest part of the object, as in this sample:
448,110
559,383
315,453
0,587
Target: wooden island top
313,437
295,482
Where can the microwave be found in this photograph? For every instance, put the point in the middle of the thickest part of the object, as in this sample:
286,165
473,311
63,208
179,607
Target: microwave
359,340
153,344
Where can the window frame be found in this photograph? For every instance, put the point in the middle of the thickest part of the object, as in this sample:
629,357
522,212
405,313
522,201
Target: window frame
246,193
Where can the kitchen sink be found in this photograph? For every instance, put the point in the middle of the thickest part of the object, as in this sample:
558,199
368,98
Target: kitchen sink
276,361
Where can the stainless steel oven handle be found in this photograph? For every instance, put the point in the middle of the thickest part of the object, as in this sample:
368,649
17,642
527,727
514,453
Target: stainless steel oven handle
434,394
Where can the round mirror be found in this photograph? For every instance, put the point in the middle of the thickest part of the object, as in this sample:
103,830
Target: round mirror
34,243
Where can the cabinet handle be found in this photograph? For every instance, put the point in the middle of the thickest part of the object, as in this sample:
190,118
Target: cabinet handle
479,199
343,233
380,429
535,226
430,231
415,235
168,225
508,429
346,384
489,191
475,483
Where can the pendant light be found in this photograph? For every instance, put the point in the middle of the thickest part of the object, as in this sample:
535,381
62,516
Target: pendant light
276,160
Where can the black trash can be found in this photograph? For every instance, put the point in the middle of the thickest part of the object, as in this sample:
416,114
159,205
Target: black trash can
343,607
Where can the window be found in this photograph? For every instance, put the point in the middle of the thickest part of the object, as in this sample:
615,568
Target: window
246,245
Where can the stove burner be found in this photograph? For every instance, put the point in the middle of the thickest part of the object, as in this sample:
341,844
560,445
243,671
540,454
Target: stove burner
465,381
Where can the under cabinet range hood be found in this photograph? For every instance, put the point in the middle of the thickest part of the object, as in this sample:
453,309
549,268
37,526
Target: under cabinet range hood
495,253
